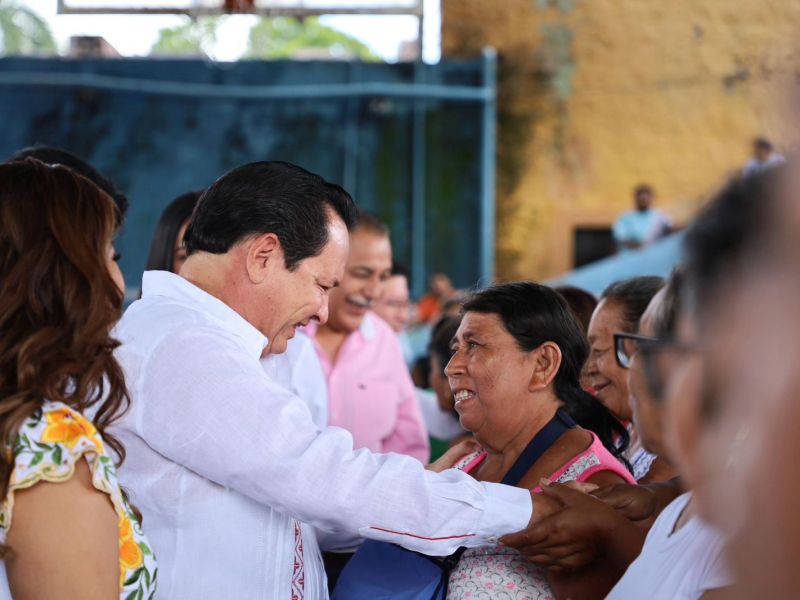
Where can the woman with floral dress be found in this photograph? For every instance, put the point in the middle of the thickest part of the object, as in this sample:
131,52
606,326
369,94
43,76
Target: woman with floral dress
66,528
515,376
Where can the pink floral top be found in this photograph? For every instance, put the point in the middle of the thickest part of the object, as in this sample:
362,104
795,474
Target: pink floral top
498,572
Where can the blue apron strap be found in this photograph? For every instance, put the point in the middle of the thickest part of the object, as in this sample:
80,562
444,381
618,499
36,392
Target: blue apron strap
546,437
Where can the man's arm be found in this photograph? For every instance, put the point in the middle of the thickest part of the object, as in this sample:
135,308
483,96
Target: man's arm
220,416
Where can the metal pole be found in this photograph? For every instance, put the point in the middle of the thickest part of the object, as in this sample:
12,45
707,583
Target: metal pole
418,159
350,176
421,31
487,212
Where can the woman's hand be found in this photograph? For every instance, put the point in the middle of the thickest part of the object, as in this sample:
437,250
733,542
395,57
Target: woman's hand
634,502
453,455
571,537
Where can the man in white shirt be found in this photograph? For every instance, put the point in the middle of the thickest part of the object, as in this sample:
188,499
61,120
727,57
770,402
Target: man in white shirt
640,227
225,464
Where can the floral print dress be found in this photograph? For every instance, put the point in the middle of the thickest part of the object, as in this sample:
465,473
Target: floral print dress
50,444
497,572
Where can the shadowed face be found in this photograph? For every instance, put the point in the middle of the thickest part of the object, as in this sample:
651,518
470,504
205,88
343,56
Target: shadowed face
395,303
609,380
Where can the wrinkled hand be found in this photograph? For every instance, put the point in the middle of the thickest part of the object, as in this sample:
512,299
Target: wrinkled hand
634,502
569,538
453,455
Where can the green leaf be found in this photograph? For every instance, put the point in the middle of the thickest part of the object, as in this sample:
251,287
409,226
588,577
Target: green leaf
145,548
57,454
132,595
134,576
37,458
43,446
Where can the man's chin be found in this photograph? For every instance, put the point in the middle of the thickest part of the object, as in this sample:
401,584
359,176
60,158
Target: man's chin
277,345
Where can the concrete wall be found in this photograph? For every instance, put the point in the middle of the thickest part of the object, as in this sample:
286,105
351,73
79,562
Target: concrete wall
599,95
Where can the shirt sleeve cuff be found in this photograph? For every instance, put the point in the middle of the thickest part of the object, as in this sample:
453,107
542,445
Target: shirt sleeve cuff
508,510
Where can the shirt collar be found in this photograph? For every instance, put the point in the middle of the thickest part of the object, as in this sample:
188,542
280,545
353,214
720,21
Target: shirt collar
170,285
367,327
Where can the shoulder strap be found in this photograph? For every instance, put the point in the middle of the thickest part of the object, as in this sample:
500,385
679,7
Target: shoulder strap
546,437
554,429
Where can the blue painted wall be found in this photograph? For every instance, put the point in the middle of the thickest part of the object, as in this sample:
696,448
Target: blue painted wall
155,147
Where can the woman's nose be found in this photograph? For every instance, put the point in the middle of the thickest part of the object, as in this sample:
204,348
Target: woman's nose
455,366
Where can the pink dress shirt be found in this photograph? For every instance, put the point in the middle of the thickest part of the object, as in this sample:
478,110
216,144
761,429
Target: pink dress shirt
370,392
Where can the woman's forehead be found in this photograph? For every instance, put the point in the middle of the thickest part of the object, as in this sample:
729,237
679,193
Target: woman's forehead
482,323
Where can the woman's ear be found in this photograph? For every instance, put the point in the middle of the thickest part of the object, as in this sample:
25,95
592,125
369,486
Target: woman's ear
547,360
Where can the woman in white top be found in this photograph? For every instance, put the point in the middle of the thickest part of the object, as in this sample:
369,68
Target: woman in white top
682,557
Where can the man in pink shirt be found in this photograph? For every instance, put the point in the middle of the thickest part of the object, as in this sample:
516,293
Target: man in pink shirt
370,392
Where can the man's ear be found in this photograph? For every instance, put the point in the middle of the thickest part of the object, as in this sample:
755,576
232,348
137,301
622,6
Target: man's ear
263,252
546,362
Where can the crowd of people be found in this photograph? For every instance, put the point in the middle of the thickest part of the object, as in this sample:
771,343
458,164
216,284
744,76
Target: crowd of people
258,423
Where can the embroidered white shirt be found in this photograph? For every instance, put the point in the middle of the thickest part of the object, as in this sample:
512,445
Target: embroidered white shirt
222,460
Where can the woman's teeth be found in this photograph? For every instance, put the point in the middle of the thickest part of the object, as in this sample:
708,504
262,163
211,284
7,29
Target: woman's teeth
462,395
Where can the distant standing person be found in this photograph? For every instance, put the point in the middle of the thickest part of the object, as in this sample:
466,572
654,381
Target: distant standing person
642,226
764,157
167,250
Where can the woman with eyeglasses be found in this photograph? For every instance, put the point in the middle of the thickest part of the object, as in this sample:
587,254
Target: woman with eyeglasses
621,306
682,556
675,555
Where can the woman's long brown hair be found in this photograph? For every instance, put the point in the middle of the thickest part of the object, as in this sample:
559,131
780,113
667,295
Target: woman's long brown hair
58,302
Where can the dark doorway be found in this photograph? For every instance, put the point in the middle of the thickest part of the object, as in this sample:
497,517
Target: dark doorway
591,244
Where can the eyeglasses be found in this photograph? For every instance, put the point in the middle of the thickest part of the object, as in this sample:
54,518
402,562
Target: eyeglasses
628,344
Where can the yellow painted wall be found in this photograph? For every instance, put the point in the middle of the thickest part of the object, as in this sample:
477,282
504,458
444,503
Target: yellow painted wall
596,96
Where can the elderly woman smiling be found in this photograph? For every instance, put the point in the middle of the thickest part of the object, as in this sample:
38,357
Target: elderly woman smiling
515,372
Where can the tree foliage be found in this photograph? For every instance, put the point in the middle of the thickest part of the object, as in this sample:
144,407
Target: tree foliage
193,38
285,37
269,38
22,31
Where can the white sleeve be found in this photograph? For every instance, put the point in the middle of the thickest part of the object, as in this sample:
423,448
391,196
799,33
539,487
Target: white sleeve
201,407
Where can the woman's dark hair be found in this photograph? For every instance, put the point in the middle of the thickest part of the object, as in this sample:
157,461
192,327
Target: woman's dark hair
534,314
442,336
59,302
162,248
268,197
726,230
665,321
580,302
633,295
52,156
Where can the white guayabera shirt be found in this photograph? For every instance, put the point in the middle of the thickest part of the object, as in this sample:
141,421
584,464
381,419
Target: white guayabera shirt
227,466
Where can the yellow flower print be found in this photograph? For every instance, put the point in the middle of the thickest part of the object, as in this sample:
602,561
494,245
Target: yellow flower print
130,555
65,427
